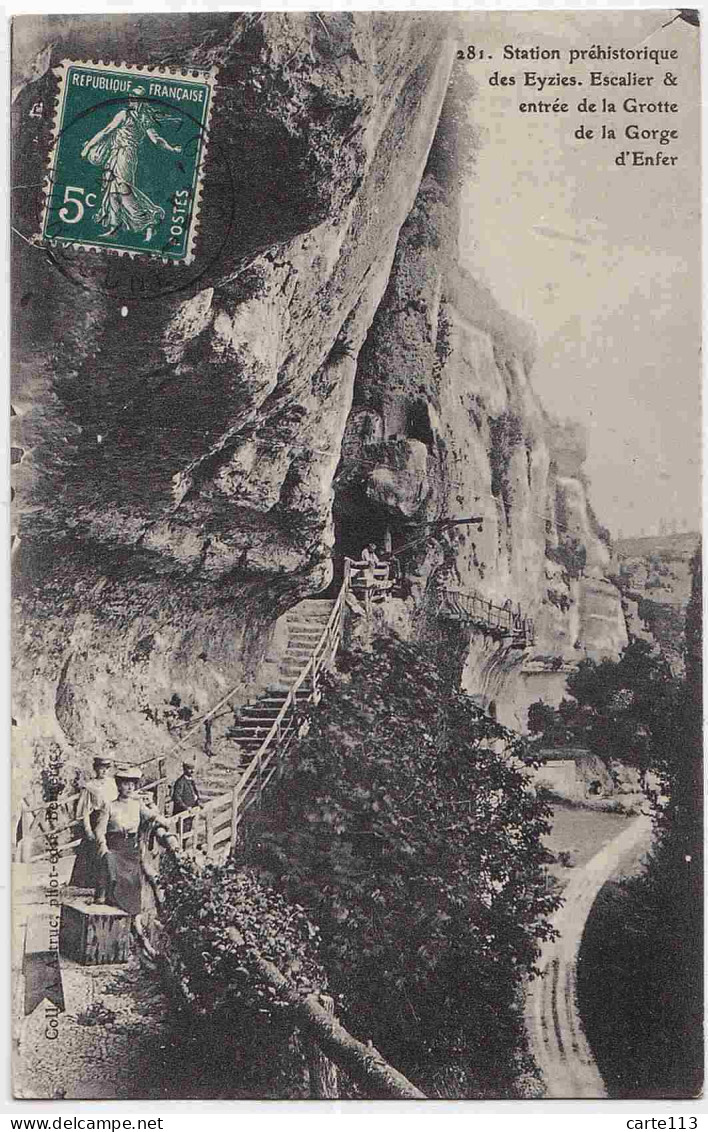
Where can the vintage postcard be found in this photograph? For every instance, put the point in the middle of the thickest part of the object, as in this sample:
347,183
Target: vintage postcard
356,568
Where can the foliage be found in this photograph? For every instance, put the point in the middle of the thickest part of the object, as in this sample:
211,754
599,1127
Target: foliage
405,826
505,432
541,717
665,623
453,154
443,341
559,598
570,553
628,708
563,726
640,976
643,1026
625,711
242,1022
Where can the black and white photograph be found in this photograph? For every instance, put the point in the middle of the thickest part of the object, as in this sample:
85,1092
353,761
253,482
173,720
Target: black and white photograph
356,659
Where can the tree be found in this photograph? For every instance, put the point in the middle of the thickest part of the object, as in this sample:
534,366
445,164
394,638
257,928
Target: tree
625,710
643,944
541,716
405,826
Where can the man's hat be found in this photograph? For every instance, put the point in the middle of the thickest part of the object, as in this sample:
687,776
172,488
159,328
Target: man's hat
187,766
101,760
133,772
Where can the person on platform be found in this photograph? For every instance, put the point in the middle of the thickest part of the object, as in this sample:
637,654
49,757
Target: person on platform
369,555
185,794
117,828
97,792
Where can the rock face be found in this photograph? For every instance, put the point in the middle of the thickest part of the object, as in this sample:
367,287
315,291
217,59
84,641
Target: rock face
189,466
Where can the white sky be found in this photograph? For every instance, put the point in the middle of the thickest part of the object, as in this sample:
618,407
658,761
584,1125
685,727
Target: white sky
604,262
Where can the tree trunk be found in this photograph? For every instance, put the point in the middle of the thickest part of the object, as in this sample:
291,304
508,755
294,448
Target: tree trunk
363,1064
324,1081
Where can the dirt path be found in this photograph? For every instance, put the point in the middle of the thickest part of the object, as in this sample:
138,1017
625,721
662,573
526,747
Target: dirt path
110,1035
557,1039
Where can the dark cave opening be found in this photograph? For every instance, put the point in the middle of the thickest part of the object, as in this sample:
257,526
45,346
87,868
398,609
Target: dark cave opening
418,425
358,522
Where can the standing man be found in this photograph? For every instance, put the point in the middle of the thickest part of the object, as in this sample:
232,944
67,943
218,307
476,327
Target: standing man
185,794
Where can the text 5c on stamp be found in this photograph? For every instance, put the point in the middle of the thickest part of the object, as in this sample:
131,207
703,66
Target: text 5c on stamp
125,169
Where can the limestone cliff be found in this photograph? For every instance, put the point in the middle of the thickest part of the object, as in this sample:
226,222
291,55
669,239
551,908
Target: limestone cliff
189,466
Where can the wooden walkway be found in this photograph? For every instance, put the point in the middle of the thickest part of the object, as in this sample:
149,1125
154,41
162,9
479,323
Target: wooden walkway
499,621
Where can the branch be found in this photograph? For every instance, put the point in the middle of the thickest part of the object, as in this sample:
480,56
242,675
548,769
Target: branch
362,1063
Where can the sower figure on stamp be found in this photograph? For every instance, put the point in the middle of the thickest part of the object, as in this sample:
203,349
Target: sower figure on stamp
185,795
116,148
117,831
97,792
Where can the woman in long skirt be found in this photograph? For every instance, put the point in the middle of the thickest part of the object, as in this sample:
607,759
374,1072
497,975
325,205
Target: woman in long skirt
97,792
117,829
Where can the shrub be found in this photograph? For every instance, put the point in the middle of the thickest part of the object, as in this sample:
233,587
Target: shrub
243,1024
416,847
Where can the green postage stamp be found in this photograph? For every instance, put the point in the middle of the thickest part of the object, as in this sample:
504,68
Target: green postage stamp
126,164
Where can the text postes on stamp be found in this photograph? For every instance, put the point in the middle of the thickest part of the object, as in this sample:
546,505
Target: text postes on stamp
126,166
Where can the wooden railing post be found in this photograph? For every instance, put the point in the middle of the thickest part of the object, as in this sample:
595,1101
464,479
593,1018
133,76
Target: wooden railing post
25,840
161,785
209,819
235,806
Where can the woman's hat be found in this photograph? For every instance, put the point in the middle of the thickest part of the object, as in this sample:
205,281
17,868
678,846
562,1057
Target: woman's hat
128,772
100,760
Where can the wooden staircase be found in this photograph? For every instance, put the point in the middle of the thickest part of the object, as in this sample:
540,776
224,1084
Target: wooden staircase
305,623
244,755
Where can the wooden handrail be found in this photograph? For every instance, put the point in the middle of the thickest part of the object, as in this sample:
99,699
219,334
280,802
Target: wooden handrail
322,654
259,770
473,607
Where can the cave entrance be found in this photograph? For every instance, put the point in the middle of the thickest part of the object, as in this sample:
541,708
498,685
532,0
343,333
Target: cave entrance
357,522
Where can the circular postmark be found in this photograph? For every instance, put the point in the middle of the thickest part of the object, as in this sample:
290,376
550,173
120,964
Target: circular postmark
140,199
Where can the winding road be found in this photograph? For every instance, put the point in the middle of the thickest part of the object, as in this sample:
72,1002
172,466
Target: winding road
552,1021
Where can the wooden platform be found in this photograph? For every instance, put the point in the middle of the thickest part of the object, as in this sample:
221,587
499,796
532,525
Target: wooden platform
93,934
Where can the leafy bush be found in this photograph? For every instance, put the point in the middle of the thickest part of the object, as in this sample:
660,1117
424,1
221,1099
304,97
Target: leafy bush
405,826
570,553
244,1023
541,716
